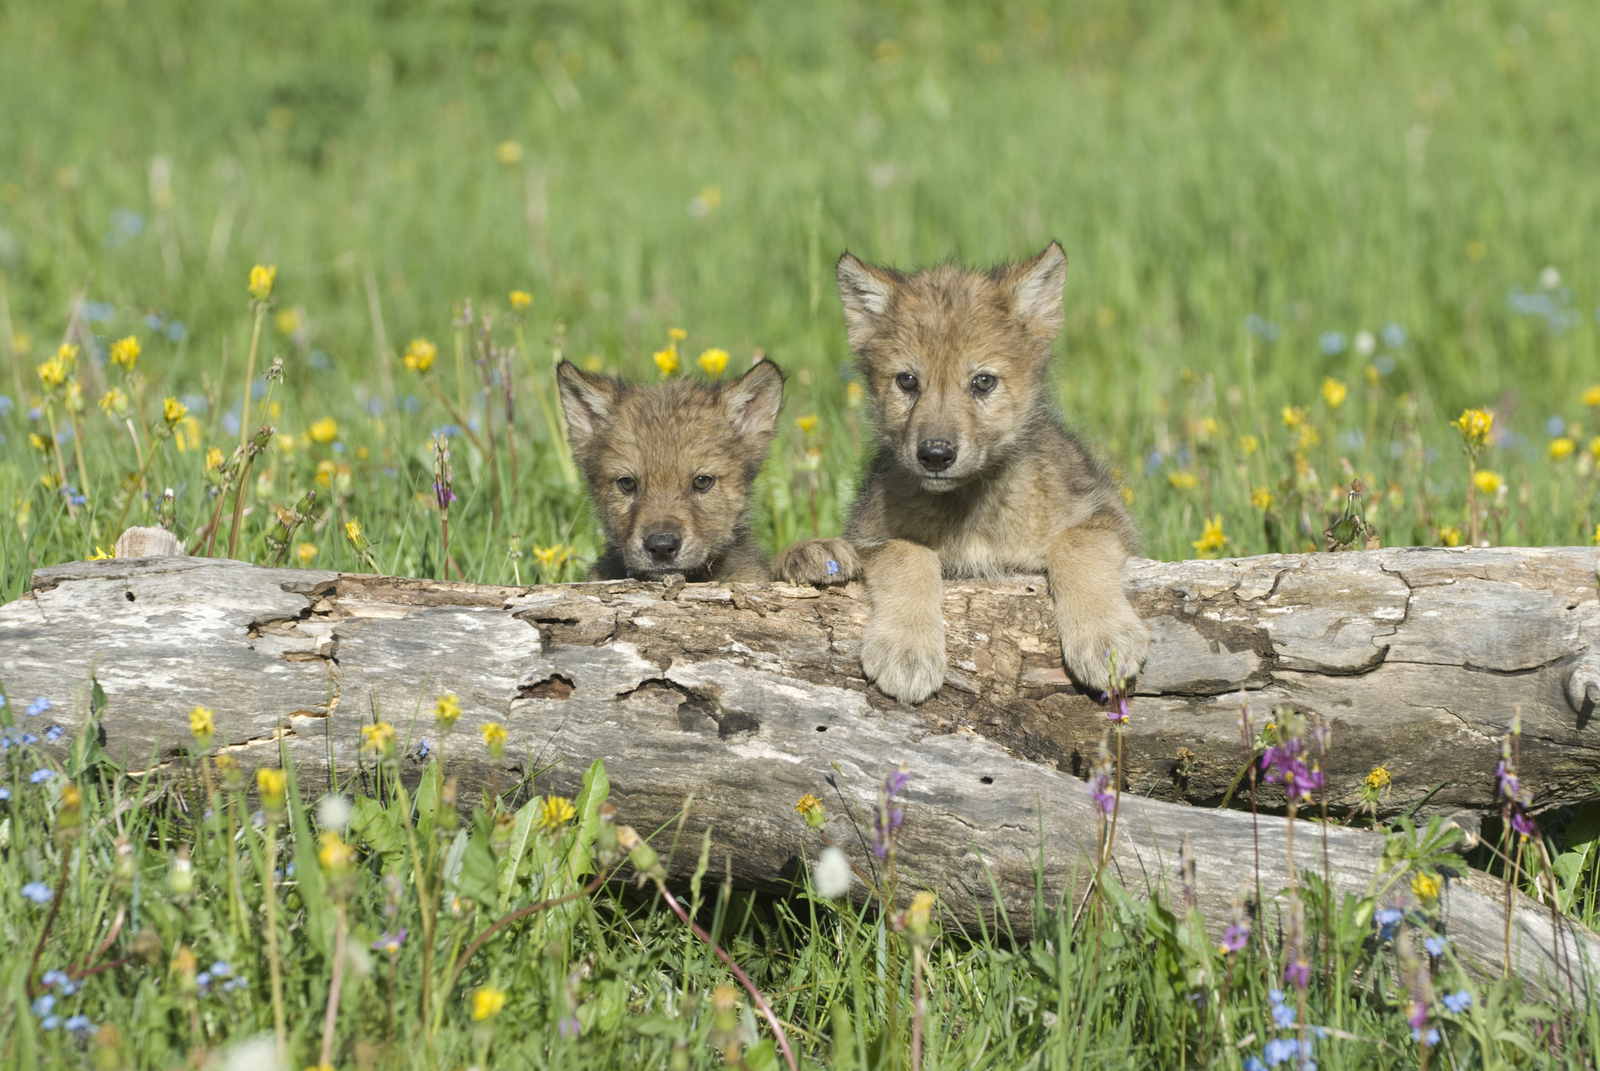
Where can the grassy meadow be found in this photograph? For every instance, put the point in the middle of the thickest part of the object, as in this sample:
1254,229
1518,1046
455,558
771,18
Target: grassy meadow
1309,246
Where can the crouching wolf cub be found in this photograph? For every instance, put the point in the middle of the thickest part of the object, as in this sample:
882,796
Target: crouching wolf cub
974,473
670,469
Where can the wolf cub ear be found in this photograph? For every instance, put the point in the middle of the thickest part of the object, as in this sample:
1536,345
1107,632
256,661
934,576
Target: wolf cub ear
586,400
1035,287
752,402
865,291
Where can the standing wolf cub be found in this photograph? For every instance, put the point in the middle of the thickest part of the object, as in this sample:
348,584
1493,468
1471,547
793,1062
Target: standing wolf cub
975,474
670,469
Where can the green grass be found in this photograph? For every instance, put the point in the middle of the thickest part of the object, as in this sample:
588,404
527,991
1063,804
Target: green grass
1338,169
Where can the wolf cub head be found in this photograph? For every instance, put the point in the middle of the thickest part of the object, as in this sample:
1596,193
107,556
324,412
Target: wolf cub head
956,361
670,466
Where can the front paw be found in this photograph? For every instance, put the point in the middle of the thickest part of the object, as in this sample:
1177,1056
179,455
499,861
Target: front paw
818,561
1086,647
905,663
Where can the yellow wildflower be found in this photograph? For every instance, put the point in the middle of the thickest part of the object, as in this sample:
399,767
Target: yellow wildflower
261,280
494,738
53,373
272,784
667,360
38,442
1450,535
1374,377
1597,535
186,434
555,812
124,352
713,361
556,554
447,711
420,354
486,1003
1488,483
1591,396
920,914
325,472
1209,427
306,551
1474,426
286,443
854,394
676,335
337,857
1293,416
810,809
1426,885
1477,249
1562,448
1127,495
1183,480
101,555
202,723
1378,778
324,431
807,424
287,321
378,738
173,410
113,401
508,152
1261,498
1211,538
352,532
213,459
1333,392
520,300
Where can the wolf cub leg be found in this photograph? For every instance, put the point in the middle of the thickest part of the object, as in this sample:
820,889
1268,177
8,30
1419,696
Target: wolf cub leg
818,561
902,648
1092,614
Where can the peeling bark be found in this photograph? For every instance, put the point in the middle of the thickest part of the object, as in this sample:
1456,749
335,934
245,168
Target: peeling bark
743,698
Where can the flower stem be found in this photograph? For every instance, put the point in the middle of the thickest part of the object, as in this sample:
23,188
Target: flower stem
331,1020
250,373
280,1030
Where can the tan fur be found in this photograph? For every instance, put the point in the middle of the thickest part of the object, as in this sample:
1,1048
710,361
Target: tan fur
1021,493
658,440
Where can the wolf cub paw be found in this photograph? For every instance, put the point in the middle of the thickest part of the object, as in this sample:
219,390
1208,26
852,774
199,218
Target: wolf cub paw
904,664
818,561
1085,648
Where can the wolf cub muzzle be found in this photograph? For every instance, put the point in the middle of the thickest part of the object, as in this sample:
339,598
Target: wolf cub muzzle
974,474
670,467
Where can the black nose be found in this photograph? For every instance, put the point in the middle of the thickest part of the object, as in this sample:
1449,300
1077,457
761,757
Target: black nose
662,546
936,455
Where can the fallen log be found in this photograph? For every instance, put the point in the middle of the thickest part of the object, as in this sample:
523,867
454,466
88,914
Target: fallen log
743,698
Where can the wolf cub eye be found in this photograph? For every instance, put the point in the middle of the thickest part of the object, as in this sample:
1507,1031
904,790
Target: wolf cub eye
627,485
703,483
906,382
983,382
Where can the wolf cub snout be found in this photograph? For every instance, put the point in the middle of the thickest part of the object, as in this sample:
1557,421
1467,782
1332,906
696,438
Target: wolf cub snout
974,473
670,468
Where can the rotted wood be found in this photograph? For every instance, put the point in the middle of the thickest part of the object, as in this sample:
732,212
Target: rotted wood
743,698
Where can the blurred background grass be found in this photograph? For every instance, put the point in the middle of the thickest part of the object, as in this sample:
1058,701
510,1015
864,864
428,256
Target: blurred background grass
635,166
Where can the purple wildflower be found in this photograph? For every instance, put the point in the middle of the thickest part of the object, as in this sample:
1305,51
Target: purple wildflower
442,492
569,1027
1524,824
1102,782
896,782
390,942
1418,1016
1510,786
1235,937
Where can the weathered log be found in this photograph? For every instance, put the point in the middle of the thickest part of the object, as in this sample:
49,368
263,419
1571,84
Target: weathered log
745,698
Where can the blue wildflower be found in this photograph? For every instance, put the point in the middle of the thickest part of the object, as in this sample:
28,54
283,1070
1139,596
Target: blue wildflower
1388,921
176,332
54,733
27,738
152,320
1458,1002
42,1006
41,775
97,312
1384,364
221,969
1261,327
1430,1039
6,405
53,978
203,980
5,793
38,892
1555,426
37,707
70,493
50,1022
1394,336
2,411
79,1024
424,749
1435,945
1333,343
1253,1063
1278,1050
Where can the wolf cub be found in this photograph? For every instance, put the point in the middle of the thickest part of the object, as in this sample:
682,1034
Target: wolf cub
670,469
974,473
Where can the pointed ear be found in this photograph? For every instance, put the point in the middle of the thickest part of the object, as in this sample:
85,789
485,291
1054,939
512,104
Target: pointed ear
586,400
865,291
751,402
1035,287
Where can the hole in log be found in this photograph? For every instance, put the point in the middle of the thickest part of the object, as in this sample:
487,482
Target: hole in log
129,594
822,728
986,780
555,687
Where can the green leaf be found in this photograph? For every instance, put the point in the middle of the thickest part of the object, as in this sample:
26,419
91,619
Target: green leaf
307,871
596,788
512,858
427,801
378,826
762,1056
454,857
479,878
